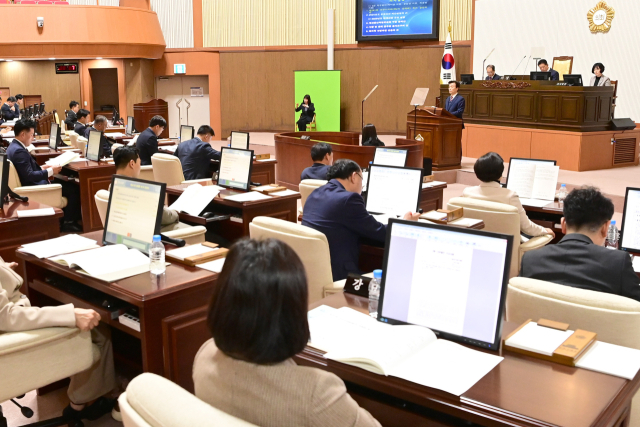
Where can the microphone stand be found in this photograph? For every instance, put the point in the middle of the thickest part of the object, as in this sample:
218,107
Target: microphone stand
365,98
485,60
518,66
526,65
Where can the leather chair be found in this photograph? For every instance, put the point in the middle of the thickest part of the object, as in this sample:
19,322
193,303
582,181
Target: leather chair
37,358
306,187
500,218
563,65
191,235
115,146
49,194
310,245
146,173
168,169
153,401
614,318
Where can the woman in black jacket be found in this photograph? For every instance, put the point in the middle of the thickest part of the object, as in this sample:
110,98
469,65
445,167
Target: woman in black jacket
370,137
307,113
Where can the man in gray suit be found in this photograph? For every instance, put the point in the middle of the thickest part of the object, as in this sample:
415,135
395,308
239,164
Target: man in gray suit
580,258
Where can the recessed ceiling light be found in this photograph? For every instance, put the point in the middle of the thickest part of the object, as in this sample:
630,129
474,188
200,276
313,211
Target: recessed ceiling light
99,58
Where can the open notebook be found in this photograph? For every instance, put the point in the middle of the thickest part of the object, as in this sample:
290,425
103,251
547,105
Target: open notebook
108,263
409,352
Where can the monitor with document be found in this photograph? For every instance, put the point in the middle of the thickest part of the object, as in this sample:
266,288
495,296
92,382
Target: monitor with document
4,177
390,156
630,232
54,136
94,147
131,125
134,212
235,168
240,140
450,280
393,190
515,161
186,133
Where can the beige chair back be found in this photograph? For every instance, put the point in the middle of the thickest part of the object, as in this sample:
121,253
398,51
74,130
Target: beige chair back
146,173
115,146
307,186
167,169
73,138
14,179
102,202
82,144
310,245
563,65
498,218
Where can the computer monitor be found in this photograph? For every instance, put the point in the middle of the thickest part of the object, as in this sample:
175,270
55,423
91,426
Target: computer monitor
573,79
515,161
131,125
94,147
4,177
240,140
540,75
186,133
54,136
235,168
390,156
466,79
630,232
392,190
451,280
134,212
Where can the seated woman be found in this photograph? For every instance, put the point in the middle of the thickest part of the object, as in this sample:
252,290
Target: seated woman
370,137
599,79
488,169
258,319
308,111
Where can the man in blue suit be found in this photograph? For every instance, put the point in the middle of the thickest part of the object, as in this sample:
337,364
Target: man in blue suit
8,112
337,209
455,103
544,67
30,173
196,154
147,142
491,73
322,156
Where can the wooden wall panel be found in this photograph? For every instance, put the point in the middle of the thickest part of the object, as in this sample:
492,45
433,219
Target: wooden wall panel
257,88
40,78
139,81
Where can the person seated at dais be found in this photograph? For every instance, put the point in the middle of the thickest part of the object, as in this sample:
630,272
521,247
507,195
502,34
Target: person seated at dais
370,136
196,154
488,169
599,79
580,259
491,73
543,65
322,156
258,320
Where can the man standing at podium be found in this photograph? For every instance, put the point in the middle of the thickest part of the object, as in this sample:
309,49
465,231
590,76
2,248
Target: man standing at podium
455,103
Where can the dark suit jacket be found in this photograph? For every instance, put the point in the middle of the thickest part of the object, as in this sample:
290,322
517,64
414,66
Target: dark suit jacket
71,119
342,217
105,145
495,77
29,172
317,171
307,114
575,261
195,156
455,107
147,144
79,128
8,113
554,74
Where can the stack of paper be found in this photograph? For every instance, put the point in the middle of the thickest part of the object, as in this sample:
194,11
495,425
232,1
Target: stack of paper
63,159
195,198
611,359
189,251
36,212
250,196
170,148
432,184
538,339
284,193
59,245
214,266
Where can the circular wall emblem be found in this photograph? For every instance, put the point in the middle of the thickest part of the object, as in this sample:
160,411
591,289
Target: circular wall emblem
600,18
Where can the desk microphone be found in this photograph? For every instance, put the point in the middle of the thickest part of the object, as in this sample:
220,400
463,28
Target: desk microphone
526,65
518,65
177,242
485,60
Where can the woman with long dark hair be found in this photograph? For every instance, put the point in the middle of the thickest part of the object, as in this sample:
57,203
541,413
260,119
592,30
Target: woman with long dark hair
306,116
370,137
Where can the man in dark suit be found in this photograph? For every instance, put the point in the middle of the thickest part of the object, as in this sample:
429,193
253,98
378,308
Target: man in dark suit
544,67
8,113
18,105
322,156
30,173
100,124
455,103
80,126
337,209
491,73
196,154
72,118
147,142
580,260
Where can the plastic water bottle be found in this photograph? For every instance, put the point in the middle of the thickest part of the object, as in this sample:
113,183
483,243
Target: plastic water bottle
562,193
374,293
612,236
156,256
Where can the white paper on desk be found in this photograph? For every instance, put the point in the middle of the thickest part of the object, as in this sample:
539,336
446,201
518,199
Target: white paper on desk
170,148
432,184
538,339
10,134
636,263
108,263
115,134
611,359
191,250
34,148
535,202
465,222
384,218
284,193
64,159
195,199
133,140
521,179
545,182
36,212
266,160
214,266
434,216
59,245
250,196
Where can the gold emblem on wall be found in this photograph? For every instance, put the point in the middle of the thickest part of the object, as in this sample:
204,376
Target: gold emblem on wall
600,18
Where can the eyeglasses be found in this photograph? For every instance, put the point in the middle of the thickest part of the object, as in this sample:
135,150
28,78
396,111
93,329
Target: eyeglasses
360,175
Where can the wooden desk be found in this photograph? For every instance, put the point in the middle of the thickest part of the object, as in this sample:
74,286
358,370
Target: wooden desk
548,217
520,391
281,207
15,232
172,313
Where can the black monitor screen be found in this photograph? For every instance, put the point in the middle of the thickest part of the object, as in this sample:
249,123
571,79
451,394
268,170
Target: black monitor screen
4,177
391,20
573,79
540,75
467,79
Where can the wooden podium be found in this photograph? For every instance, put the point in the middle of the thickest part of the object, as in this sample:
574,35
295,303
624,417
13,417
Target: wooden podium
143,113
441,133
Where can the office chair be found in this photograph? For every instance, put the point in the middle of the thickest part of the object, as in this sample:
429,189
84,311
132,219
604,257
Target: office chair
153,401
168,169
49,194
306,187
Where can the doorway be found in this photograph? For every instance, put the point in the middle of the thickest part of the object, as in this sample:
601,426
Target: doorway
104,84
188,99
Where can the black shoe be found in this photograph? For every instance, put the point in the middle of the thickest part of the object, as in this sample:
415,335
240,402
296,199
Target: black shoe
71,227
91,412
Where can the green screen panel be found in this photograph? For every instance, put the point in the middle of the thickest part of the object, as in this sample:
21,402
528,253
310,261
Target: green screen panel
324,89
